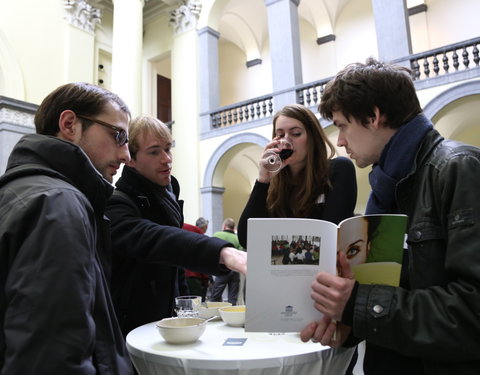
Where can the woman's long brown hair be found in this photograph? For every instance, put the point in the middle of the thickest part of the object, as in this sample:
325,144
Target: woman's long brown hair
313,180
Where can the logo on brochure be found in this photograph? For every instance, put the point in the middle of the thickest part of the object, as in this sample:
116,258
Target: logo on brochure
289,312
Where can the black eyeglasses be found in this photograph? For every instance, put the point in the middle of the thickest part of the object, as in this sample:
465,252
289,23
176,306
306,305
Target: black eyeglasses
121,136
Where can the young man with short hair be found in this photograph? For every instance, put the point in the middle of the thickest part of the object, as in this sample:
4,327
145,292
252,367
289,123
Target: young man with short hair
149,244
430,324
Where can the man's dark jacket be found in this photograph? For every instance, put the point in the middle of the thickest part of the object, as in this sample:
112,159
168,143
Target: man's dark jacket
148,246
55,307
432,324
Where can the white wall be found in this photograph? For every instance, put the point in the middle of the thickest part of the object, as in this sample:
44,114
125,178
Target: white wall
356,35
450,22
48,51
237,82
318,61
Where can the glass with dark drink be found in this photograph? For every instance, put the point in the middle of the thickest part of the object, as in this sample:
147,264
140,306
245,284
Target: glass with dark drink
273,160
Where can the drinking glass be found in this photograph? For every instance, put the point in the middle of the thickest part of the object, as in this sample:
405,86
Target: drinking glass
187,306
272,160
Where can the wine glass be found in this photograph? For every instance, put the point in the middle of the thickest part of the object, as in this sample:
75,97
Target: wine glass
272,160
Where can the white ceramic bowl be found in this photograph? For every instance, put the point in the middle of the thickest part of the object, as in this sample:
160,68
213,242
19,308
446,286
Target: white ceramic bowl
181,330
210,309
233,315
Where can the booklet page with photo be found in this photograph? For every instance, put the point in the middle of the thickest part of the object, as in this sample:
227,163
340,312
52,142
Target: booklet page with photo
374,246
284,255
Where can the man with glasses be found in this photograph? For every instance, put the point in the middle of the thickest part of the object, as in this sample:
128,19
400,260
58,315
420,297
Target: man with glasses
121,136
56,312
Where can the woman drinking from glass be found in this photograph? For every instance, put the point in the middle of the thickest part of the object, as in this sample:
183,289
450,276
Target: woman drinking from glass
311,183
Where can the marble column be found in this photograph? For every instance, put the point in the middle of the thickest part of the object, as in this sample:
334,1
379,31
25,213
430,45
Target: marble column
127,52
208,65
284,35
212,198
209,78
185,105
393,29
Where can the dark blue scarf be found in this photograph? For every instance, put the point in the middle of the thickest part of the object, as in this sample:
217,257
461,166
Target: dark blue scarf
395,163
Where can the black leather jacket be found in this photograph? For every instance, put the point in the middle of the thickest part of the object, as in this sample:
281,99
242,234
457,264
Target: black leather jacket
434,318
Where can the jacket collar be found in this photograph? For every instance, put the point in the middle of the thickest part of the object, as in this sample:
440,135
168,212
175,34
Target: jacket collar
63,160
158,203
429,144
133,183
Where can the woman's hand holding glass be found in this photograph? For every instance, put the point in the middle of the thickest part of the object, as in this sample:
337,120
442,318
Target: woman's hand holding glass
274,158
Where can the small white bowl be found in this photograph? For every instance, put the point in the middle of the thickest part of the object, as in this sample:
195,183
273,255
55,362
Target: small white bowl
181,330
233,315
210,309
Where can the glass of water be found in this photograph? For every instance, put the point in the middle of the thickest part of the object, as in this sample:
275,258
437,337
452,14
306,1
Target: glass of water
187,306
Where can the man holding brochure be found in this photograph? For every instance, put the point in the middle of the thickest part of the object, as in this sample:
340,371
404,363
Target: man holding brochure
430,324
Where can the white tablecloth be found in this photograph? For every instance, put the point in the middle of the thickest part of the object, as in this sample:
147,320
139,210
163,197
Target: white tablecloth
260,353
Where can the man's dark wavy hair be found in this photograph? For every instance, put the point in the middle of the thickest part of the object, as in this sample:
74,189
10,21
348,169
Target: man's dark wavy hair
359,88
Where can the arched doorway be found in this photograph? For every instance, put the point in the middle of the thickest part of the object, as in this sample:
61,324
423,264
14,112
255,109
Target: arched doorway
229,177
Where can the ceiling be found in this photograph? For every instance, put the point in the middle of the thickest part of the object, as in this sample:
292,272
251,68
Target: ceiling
244,22
151,9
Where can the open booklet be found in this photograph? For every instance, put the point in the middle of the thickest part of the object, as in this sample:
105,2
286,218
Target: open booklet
284,255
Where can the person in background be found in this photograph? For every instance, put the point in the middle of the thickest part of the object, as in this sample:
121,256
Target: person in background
430,324
202,223
197,282
231,279
150,247
56,311
311,183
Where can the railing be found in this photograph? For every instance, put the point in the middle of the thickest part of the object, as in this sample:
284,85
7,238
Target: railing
247,111
444,60
309,94
460,58
423,65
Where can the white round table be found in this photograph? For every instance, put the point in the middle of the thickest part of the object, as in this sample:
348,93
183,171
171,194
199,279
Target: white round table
228,350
